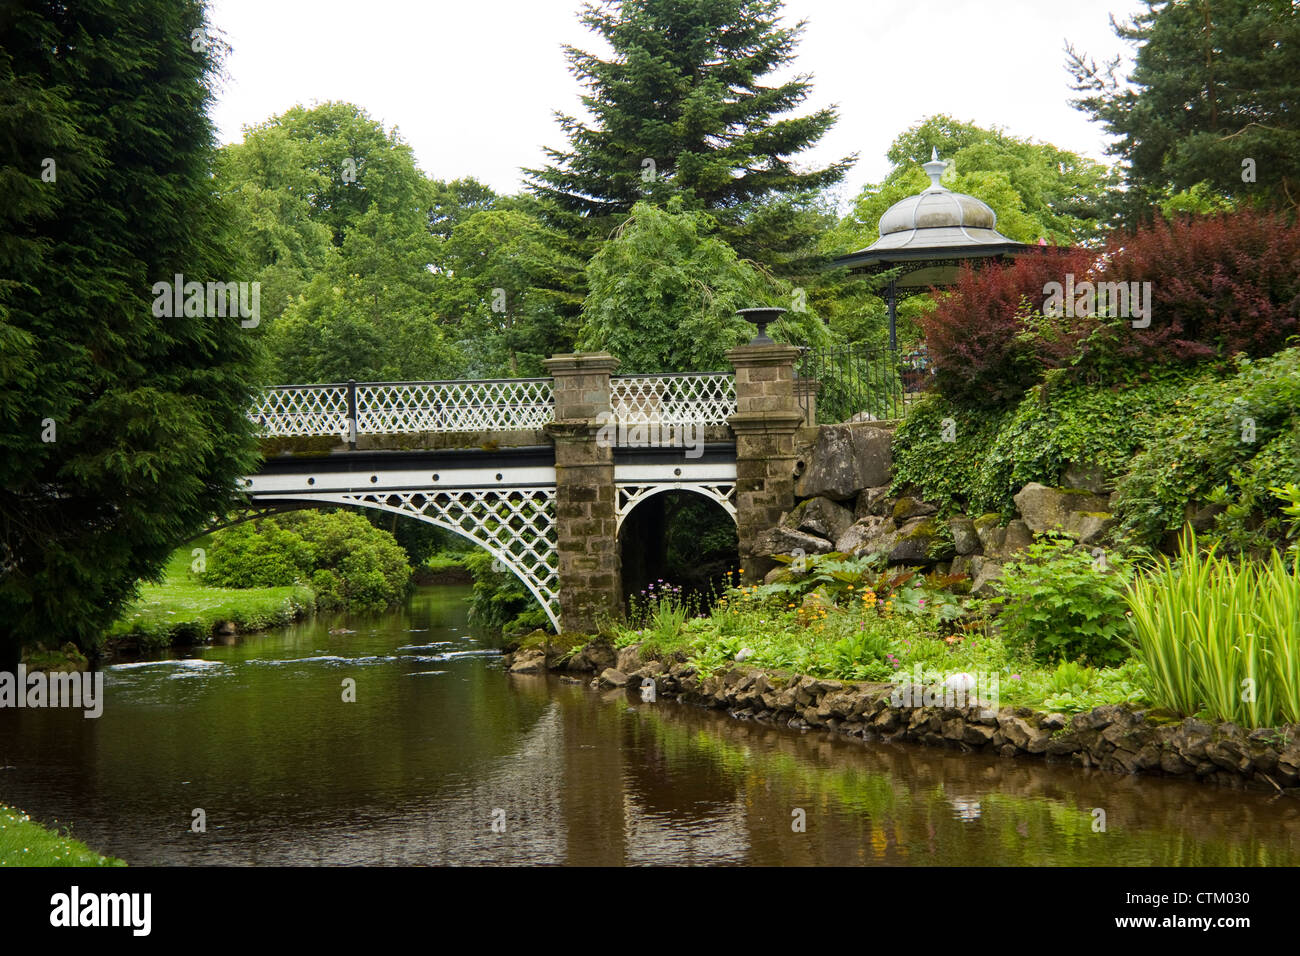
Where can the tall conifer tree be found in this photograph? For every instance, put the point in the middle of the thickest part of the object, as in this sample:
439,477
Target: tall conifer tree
121,432
1210,100
682,106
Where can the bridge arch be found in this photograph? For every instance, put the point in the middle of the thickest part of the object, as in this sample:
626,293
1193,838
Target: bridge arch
520,535
630,495
681,532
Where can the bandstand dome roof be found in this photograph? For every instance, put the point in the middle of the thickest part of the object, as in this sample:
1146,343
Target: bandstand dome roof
936,224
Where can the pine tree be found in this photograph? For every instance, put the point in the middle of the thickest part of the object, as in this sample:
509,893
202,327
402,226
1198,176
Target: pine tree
680,107
1210,100
121,432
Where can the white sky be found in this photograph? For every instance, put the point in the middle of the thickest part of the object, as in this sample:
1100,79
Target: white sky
472,86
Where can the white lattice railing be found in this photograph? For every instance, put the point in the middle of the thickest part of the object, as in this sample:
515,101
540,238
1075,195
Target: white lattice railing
404,407
302,410
394,408
688,398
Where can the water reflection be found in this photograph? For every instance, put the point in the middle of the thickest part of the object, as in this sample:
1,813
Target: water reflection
445,758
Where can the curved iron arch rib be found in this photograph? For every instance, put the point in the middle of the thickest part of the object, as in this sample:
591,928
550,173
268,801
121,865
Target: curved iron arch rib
515,525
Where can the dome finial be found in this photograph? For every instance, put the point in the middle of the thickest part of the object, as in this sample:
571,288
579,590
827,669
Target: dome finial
934,168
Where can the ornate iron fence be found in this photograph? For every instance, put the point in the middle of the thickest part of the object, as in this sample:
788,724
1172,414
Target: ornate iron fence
388,408
864,384
674,398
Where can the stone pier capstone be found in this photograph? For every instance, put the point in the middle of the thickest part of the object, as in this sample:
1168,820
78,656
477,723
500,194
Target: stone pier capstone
766,420
586,518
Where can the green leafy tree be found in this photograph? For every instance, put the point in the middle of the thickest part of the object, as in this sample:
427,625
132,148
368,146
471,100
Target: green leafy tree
123,431
347,560
664,292
682,106
512,284
347,232
269,184
1212,91
371,314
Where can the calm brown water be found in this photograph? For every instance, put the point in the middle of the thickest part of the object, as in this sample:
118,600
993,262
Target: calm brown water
441,743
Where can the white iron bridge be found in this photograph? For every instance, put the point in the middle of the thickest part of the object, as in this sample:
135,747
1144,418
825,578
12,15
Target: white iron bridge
501,495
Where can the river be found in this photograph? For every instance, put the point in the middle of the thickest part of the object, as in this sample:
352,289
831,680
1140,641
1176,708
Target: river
444,758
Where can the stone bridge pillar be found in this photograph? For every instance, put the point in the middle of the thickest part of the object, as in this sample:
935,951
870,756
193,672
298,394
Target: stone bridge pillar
586,516
766,420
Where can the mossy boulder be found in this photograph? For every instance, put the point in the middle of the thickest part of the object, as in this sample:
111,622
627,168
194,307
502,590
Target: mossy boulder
819,516
921,541
1080,514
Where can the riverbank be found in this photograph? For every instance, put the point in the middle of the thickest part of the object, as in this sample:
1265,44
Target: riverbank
183,610
25,843
1113,737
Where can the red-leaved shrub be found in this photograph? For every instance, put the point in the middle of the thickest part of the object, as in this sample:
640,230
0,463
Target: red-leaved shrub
985,336
1218,285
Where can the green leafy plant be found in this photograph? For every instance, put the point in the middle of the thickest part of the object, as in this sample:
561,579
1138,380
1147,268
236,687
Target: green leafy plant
1059,603
346,560
861,655
1226,441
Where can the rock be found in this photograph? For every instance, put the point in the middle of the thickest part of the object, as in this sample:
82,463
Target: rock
530,660
1017,538
846,459
1060,509
611,677
1023,734
629,659
1054,722
856,536
907,507
593,658
1085,476
989,529
977,735
1230,750
1060,745
872,501
986,577
1172,763
1099,718
744,654
786,541
886,720
964,538
954,729
1092,527
870,536
819,516
862,417
919,542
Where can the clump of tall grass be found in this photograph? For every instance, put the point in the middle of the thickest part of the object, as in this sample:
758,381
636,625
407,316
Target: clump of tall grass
1221,636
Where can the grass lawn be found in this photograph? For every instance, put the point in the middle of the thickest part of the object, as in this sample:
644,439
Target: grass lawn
24,843
183,608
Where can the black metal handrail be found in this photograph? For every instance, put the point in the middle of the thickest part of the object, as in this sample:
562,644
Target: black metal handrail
862,383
